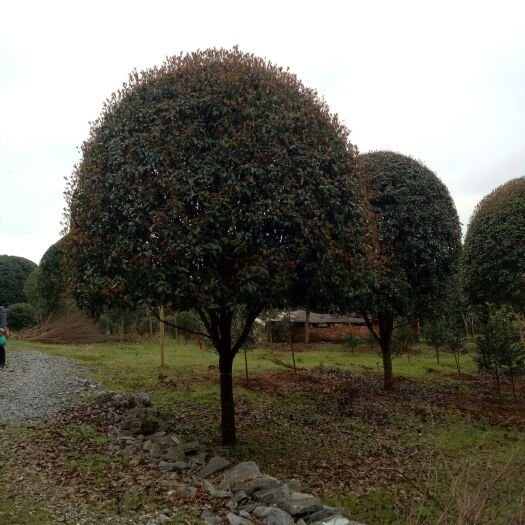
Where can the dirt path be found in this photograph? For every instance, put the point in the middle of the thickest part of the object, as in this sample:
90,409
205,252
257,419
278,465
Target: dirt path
35,386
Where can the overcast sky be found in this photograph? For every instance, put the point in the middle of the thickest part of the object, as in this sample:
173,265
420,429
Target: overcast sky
441,81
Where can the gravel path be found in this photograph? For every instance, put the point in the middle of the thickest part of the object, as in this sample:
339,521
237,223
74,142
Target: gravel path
35,385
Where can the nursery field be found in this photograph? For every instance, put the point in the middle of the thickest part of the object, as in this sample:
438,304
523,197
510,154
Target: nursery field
438,449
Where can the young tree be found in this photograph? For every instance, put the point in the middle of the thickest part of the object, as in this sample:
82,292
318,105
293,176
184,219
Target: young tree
418,245
436,333
403,341
500,349
216,183
456,344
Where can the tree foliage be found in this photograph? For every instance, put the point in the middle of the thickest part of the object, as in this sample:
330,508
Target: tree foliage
216,183
13,274
494,251
418,243
20,315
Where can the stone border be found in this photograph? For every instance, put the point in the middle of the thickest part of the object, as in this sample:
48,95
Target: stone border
249,495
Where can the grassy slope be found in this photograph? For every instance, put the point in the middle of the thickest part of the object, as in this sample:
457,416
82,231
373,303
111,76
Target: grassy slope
386,460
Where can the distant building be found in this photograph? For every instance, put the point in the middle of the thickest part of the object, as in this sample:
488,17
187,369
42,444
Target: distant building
323,327
327,328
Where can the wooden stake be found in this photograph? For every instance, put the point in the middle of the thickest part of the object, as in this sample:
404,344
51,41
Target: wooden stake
161,332
290,326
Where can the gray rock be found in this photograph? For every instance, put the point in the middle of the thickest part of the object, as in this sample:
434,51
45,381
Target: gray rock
336,520
299,504
183,489
197,460
239,473
254,485
324,513
141,420
173,454
171,467
233,519
142,400
212,491
128,451
236,499
273,516
155,451
210,518
293,484
216,464
273,494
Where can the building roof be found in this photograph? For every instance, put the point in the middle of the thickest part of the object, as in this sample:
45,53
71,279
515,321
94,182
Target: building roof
299,316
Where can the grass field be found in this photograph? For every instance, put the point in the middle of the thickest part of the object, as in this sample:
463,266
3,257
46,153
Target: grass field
433,449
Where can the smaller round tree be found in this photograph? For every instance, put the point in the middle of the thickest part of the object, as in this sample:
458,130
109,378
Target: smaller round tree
494,252
418,245
13,274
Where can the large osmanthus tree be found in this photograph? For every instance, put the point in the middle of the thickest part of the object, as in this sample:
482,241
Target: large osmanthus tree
493,261
418,245
216,182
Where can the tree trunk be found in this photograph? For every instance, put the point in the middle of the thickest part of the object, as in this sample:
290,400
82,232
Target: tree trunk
176,332
386,327
437,355
246,364
150,323
387,366
307,326
466,324
293,355
227,406
513,385
456,358
496,377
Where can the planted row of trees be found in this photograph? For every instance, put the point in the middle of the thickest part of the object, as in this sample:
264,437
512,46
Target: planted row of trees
219,183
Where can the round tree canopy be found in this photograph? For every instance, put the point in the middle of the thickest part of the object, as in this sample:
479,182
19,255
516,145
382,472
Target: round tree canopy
13,274
419,234
216,180
494,251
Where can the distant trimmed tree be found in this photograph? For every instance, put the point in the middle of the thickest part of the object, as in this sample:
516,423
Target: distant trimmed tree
493,259
494,252
216,183
13,274
417,249
46,287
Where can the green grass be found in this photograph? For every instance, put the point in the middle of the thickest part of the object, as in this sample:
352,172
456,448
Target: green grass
138,363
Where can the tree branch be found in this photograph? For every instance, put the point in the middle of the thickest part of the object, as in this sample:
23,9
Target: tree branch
154,312
370,327
250,318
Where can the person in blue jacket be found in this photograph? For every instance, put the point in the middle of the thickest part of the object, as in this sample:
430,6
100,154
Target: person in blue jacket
3,343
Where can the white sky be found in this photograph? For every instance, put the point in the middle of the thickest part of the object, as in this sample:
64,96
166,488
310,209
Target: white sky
441,81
